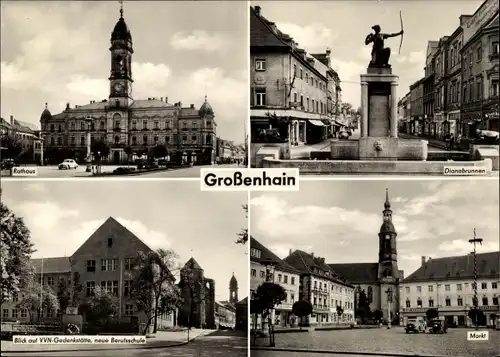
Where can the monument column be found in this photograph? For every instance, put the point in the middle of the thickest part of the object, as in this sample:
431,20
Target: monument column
394,110
364,109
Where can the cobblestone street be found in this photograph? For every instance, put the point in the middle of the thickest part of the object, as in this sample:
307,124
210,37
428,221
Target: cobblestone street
395,340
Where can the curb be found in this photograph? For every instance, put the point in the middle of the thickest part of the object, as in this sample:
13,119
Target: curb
139,347
386,354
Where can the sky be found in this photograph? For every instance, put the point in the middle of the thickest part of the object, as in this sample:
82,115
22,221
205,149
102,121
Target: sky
61,215
343,26
340,220
58,52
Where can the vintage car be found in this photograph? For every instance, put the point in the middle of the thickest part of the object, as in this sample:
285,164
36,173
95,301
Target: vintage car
68,164
414,326
438,326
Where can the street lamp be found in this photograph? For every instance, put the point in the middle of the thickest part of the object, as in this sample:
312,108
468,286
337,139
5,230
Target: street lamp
88,119
389,301
474,241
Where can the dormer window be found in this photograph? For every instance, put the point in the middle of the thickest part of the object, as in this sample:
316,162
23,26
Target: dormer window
255,252
110,242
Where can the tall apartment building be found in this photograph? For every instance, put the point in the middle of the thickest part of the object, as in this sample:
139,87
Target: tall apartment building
428,88
289,83
417,107
446,284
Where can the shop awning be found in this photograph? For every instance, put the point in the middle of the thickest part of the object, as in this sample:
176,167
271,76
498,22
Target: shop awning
316,122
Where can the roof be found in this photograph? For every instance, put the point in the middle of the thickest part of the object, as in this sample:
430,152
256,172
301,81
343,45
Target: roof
261,34
150,103
192,264
206,108
226,304
266,257
243,301
233,282
52,265
458,268
387,227
492,24
121,31
25,124
309,264
357,273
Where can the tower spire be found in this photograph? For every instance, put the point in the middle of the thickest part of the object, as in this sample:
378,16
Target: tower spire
387,204
121,9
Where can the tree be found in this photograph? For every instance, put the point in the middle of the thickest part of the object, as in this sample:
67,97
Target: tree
340,311
377,315
15,253
476,315
153,287
159,151
99,148
270,294
243,234
256,309
76,290
302,308
128,151
363,306
36,294
346,108
63,294
13,146
100,307
431,314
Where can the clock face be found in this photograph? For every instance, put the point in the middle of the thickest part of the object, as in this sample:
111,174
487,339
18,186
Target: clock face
118,87
387,236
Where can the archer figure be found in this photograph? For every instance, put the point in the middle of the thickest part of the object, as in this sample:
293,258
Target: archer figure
380,54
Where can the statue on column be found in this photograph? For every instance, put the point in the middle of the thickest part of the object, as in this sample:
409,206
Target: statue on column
380,54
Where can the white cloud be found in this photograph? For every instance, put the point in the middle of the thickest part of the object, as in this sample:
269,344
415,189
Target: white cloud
200,40
413,58
313,37
44,215
462,246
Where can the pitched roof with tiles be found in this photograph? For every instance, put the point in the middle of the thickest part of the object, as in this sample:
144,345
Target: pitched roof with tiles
243,301
261,32
357,273
51,265
458,268
268,257
309,264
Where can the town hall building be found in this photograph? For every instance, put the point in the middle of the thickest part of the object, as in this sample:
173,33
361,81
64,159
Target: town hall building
129,126
380,280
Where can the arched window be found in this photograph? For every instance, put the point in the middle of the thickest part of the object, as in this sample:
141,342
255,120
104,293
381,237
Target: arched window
73,125
117,139
117,120
134,140
82,126
408,303
59,141
82,141
419,302
52,128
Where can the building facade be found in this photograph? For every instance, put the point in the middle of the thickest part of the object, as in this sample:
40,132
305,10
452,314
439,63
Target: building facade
265,266
225,315
121,121
290,84
23,134
428,88
198,294
105,260
440,89
404,114
380,281
417,107
326,290
447,284
242,315
479,56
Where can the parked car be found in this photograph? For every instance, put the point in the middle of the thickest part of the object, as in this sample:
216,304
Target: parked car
343,135
68,164
438,326
414,327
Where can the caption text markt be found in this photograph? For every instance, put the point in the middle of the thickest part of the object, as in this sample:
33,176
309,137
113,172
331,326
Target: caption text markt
78,340
249,180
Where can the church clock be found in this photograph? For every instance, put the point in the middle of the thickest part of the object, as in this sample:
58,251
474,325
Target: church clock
118,87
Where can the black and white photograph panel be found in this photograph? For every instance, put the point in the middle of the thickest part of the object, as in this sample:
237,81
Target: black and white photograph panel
376,267
76,262
363,88
143,88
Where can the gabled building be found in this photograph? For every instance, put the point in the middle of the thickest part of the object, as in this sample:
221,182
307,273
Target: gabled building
447,284
26,135
428,88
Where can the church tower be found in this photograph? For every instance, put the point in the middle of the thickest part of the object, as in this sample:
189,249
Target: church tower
388,273
120,80
233,290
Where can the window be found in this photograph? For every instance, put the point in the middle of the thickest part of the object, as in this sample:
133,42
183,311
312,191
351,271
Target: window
479,53
145,124
111,287
157,124
134,125
50,314
295,70
73,140
253,272
408,303
419,302
127,287
14,313
260,97
184,138
431,303
52,128
145,139
484,286
90,265
117,139
447,302
117,124
5,313
109,264
24,313
110,242
262,274
479,89
128,263
407,289
90,288
50,280
285,279
59,141
419,289
129,309
459,287
447,287
495,301
301,74
292,298
194,138
134,140
494,88
430,287
254,252
82,126
279,278
15,297
485,301
292,280
494,48
260,64
460,302
494,285
82,141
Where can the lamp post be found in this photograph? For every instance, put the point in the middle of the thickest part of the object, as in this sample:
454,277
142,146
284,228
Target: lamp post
474,241
389,301
88,119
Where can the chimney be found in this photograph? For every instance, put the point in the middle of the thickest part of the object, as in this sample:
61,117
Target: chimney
290,252
257,10
322,260
192,106
161,98
423,260
328,51
312,255
166,99
67,106
11,120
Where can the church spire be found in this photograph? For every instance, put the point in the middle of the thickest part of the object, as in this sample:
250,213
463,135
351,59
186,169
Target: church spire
387,204
121,9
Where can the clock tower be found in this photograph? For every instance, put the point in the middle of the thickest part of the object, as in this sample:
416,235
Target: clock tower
388,273
120,80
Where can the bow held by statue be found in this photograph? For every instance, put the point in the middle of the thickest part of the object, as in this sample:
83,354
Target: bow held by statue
402,31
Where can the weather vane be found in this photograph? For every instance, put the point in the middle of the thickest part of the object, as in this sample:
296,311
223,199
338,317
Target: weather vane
121,7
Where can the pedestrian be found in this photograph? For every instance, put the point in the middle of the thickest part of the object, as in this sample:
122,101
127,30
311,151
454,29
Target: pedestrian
452,141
